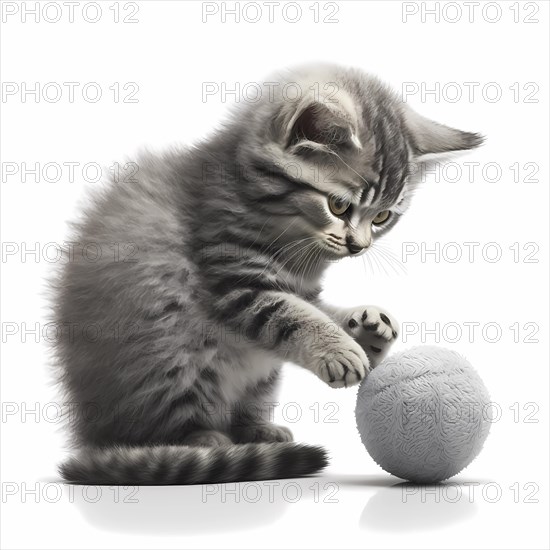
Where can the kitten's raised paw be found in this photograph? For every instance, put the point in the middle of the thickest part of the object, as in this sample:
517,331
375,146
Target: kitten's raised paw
342,368
374,329
263,433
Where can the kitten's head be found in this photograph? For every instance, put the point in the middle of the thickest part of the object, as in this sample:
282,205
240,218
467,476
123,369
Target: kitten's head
332,150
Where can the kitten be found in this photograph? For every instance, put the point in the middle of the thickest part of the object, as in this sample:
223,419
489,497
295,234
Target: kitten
207,280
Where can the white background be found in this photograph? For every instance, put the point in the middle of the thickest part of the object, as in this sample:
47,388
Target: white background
169,53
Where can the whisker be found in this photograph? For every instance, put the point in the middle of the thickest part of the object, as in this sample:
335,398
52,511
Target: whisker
375,257
281,234
259,233
300,268
391,259
304,249
367,257
293,254
309,264
288,246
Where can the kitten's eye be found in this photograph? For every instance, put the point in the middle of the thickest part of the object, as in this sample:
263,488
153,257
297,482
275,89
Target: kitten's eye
338,206
381,217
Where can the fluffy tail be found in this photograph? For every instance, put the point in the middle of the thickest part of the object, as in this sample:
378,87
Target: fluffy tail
181,465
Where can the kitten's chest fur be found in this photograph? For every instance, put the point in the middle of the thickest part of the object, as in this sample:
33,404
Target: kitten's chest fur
242,369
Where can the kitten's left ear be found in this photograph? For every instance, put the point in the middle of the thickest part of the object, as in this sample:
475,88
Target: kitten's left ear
431,137
319,126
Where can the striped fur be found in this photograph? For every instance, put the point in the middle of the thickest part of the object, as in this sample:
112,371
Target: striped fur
173,465
208,279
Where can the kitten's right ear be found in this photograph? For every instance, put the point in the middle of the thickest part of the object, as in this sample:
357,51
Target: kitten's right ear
431,137
319,126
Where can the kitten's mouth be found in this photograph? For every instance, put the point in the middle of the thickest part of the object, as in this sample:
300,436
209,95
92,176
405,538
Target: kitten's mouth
334,240
334,249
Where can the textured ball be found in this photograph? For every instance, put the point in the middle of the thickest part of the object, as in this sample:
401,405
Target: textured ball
423,414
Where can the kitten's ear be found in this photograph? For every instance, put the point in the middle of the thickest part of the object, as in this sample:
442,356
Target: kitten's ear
317,126
431,137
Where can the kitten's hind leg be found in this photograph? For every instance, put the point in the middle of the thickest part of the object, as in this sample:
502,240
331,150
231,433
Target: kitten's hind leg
207,438
251,422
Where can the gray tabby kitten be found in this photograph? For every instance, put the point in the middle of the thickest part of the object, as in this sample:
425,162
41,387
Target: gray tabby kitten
209,279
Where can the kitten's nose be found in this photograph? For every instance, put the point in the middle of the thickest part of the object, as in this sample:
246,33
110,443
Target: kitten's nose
353,247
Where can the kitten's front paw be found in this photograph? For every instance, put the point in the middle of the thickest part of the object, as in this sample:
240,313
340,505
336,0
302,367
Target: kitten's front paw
207,438
262,433
343,367
374,329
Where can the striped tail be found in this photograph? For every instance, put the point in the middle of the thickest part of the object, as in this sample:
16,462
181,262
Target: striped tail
181,465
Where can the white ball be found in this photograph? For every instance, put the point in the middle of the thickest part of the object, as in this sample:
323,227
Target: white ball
423,414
